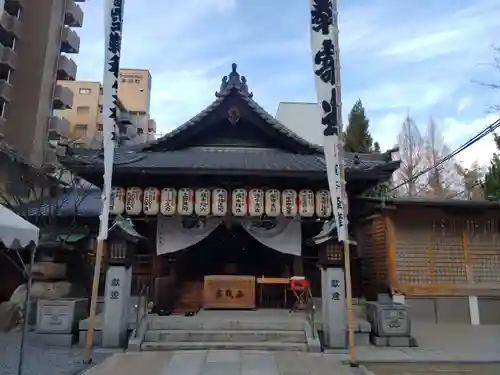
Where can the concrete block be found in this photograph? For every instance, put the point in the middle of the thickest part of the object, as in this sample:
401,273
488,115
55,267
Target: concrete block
364,326
453,310
65,340
379,341
362,338
399,342
97,339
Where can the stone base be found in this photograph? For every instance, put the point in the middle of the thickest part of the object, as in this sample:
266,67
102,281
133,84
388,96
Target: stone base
362,338
395,342
53,339
96,339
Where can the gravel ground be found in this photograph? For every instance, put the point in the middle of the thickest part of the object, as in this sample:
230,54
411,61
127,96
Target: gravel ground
41,359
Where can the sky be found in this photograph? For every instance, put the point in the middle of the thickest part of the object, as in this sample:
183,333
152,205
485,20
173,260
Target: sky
427,58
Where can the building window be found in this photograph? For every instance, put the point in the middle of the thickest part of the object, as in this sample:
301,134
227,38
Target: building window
100,108
80,131
84,91
101,90
100,127
83,110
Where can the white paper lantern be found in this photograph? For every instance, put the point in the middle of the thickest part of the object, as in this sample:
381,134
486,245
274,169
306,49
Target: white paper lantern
151,201
219,202
256,202
117,201
306,203
323,203
168,206
202,202
185,204
133,200
239,202
289,203
273,202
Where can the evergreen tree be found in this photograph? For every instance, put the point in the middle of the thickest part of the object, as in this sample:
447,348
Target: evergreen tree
492,178
357,134
376,147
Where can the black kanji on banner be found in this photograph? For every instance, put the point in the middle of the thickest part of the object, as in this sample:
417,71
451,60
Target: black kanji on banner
322,16
114,47
329,119
325,62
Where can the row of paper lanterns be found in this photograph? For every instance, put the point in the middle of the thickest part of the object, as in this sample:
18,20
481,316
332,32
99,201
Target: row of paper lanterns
206,202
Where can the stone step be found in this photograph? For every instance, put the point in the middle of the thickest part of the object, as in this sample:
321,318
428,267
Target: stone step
194,323
268,346
225,336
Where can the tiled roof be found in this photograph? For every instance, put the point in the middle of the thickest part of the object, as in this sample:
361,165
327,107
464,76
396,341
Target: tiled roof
237,86
227,159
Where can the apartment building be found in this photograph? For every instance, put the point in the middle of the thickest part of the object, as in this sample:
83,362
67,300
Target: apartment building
85,117
36,42
134,90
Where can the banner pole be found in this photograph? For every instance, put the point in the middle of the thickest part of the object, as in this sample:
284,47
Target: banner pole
113,27
351,339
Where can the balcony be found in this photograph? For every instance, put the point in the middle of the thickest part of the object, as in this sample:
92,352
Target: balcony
3,127
51,159
70,42
63,98
60,126
8,57
5,91
73,16
66,69
9,26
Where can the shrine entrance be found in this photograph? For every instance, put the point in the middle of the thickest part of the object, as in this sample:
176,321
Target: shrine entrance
230,269
232,251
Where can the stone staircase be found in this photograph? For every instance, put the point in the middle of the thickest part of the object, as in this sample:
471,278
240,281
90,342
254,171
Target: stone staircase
251,330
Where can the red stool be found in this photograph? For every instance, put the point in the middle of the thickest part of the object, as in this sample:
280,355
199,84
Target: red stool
300,289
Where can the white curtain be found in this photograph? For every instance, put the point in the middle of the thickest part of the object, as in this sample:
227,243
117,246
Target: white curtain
285,236
174,233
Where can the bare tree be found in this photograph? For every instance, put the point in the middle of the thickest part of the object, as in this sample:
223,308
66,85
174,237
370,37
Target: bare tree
495,83
471,179
411,150
442,181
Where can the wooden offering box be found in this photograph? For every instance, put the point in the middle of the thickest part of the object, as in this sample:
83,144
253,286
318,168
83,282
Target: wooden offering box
229,292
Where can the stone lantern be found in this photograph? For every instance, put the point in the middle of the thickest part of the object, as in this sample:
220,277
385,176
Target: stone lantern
122,244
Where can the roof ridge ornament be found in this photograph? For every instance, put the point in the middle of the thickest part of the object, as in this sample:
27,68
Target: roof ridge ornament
233,81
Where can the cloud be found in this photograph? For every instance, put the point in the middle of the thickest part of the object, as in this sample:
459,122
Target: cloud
415,55
457,132
464,103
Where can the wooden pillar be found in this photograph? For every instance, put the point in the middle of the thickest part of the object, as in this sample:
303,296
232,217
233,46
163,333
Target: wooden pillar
390,236
298,266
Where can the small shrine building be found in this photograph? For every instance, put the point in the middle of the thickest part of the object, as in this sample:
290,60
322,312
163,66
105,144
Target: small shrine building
230,193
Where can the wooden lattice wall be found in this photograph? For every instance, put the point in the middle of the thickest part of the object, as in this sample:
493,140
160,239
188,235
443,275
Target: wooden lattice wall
371,237
427,251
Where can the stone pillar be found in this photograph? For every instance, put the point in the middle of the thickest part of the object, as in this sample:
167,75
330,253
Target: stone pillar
474,311
116,306
334,312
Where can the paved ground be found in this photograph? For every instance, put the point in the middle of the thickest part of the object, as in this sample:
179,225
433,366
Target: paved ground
40,360
221,363
433,369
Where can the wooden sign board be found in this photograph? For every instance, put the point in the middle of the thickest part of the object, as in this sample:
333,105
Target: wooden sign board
229,292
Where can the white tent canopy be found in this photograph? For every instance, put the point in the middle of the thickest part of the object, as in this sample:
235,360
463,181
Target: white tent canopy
15,232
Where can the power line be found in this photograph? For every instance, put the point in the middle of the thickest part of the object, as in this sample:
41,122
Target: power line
489,129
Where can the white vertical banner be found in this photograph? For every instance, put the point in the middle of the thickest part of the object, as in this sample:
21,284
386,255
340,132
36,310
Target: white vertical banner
113,25
324,40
